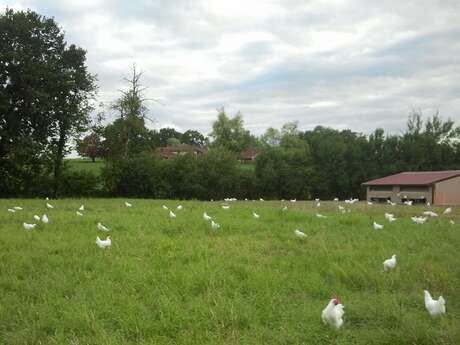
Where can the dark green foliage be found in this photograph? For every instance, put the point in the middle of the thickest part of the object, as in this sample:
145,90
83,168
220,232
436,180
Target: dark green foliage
45,91
79,184
140,176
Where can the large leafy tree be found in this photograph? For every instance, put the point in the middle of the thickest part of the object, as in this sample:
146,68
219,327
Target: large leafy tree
229,133
45,93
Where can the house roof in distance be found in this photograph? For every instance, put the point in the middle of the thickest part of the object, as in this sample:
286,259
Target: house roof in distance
416,178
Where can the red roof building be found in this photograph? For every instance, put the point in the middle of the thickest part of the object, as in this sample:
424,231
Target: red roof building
436,187
249,155
182,149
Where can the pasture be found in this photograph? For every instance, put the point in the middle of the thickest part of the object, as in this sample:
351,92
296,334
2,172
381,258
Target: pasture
177,281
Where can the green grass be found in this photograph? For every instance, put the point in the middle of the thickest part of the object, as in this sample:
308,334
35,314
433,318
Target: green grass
82,164
252,282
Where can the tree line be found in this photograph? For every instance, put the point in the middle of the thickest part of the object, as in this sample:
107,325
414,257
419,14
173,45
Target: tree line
46,106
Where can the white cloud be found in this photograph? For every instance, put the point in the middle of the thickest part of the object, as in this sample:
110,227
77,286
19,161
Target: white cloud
347,63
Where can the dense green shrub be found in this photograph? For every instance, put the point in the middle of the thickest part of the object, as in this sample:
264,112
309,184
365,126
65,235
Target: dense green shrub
78,184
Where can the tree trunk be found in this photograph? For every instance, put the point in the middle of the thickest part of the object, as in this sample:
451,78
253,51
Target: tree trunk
58,160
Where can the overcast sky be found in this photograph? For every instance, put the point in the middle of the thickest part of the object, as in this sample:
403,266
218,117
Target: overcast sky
338,63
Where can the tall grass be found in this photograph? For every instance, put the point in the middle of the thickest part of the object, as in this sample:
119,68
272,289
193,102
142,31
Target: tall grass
251,282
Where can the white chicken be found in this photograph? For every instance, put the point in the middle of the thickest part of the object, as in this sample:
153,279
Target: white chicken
49,205
214,225
447,210
333,313
45,219
389,264
434,307
255,215
172,214
82,208
377,226
336,199
317,199
11,210
318,204
127,204
284,209
225,207
430,213
300,234
29,226
261,199
37,218
102,227
452,222
179,207
370,203
390,217
320,216
165,207
293,200
107,243
79,213
206,217
418,220
18,208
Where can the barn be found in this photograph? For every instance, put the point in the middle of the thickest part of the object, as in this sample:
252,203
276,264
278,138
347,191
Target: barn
434,187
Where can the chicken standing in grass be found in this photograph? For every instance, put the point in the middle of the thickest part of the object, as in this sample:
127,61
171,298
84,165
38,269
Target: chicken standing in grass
418,220
107,243
49,205
389,264
430,213
179,207
214,225
225,207
206,217
320,216
45,219
333,313
37,218
255,215
29,226
164,207
11,210
18,208
102,227
434,307
79,214
447,210
377,226
300,234
127,204
172,214
82,208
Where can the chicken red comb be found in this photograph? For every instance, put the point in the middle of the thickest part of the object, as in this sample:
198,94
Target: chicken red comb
336,300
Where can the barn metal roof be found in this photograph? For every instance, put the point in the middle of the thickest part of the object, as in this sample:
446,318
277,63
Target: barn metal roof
416,178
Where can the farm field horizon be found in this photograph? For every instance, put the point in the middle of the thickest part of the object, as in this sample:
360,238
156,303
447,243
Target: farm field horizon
178,281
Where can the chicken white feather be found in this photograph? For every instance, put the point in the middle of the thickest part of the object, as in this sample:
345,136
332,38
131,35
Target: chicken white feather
377,226
434,307
332,315
300,234
389,264
107,243
102,227
29,226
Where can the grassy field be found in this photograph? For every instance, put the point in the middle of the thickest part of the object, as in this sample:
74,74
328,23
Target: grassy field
79,164
251,282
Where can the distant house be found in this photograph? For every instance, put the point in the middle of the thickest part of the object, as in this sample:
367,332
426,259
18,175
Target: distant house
249,155
435,187
182,149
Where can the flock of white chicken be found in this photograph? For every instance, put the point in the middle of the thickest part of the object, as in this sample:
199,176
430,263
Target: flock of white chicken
332,314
